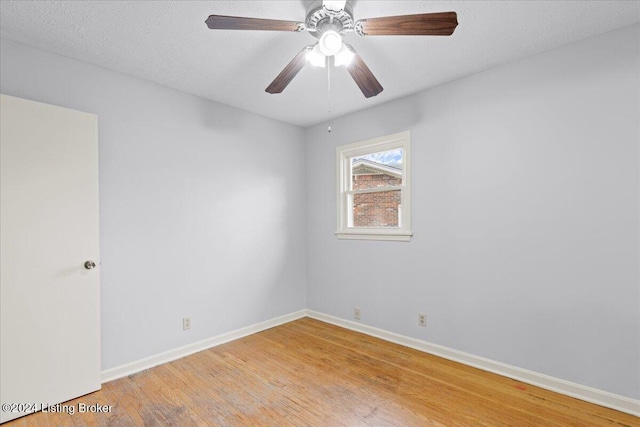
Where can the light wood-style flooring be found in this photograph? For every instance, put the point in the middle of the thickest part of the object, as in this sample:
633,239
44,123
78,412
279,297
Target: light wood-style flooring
310,373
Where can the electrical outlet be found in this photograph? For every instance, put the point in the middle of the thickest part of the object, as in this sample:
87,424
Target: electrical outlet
422,319
186,323
356,313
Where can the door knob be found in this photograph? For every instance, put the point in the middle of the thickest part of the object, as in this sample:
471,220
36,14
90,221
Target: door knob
89,265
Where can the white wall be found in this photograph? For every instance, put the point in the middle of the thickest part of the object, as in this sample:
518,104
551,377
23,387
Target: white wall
201,205
525,212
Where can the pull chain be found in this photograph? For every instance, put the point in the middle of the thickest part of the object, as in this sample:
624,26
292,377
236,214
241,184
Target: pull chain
329,90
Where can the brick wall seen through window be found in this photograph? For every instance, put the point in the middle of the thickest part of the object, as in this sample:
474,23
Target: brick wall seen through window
378,209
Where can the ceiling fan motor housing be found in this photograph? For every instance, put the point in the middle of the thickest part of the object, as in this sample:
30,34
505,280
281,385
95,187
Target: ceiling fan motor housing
320,19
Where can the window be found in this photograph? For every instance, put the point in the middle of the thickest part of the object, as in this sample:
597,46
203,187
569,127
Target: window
373,189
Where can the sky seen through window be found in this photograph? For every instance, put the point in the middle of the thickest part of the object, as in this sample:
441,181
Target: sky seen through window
391,157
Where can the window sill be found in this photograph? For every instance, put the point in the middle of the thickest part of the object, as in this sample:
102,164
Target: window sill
397,236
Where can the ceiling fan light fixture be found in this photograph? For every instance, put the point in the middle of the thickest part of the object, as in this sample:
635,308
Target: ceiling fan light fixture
344,56
330,43
315,57
328,20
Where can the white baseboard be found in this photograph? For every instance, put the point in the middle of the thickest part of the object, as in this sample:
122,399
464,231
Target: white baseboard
589,394
167,356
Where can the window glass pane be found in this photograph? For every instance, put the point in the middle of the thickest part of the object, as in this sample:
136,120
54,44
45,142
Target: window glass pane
377,209
376,170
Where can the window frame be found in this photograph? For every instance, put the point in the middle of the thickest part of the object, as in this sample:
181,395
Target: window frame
344,153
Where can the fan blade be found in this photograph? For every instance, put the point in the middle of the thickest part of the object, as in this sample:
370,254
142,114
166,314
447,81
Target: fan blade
335,5
362,75
424,24
289,72
220,22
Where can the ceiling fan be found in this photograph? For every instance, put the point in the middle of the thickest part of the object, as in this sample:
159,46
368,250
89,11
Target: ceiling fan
329,21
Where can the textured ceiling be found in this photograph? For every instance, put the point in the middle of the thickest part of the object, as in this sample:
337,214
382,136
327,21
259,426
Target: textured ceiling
167,42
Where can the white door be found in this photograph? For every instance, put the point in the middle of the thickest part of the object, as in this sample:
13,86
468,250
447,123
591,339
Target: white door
50,303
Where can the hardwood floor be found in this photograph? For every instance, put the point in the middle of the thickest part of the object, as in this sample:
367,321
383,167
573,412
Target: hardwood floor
309,373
